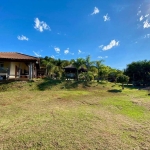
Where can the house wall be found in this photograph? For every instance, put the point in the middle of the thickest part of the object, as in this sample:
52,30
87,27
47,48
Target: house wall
20,65
22,69
6,65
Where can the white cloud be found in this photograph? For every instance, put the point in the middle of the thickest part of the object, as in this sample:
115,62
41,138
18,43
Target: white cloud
106,17
146,15
52,56
147,36
57,49
111,45
41,25
66,51
36,54
100,57
141,18
22,38
96,11
79,51
101,46
139,12
146,24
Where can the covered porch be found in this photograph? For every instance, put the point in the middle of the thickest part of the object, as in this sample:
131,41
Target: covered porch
18,66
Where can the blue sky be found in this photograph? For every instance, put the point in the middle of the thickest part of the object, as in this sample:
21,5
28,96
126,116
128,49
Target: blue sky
116,31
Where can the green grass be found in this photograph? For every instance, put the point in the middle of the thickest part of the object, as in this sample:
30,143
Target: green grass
48,114
126,107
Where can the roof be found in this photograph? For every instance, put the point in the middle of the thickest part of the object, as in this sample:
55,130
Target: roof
70,67
16,56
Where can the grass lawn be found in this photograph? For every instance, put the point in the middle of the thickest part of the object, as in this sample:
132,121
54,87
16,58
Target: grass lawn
48,114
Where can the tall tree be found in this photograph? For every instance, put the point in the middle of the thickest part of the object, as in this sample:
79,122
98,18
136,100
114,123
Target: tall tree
113,74
49,64
79,62
98,66
139,72
123,79
104,71
88,62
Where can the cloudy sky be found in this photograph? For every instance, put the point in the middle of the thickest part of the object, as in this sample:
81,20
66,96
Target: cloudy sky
116,31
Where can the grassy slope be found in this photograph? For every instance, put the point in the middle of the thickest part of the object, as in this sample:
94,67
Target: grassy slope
54,115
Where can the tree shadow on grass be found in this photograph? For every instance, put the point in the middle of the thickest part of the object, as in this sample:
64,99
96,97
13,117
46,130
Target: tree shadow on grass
75,84
131,87
48,84
102,82
71,84
115,91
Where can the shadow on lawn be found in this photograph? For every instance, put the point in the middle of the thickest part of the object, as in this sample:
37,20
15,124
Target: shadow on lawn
115,91
75,84
67,84
48,84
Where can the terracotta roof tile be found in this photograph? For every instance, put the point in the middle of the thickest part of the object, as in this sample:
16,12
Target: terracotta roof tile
15,55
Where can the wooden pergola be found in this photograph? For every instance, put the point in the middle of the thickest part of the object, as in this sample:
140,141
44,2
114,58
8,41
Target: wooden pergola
71,71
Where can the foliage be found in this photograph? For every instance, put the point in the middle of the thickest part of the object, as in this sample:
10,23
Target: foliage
104,72
86,76
139,72
113,74
123,79
98,66
78,63
88,62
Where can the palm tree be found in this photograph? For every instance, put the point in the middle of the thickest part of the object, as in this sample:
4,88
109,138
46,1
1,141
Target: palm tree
49,64
79,62
98,66
88,62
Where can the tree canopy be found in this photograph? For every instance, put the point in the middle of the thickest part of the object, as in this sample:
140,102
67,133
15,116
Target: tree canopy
138,72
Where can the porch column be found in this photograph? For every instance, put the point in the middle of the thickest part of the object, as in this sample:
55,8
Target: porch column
35,71
19,70
30,71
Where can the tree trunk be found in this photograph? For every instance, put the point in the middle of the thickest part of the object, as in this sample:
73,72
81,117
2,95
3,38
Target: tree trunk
98,79
77,75
98,76
122,86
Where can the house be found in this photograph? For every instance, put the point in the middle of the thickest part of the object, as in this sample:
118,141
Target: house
15,65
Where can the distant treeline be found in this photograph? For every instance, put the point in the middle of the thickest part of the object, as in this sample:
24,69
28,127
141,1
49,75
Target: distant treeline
137,73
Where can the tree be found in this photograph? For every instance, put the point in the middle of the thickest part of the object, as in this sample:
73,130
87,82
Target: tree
98,66
58,68
139,72
94,71
49,64
113,74
88,62
123,79
86,76
104,71
79,62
